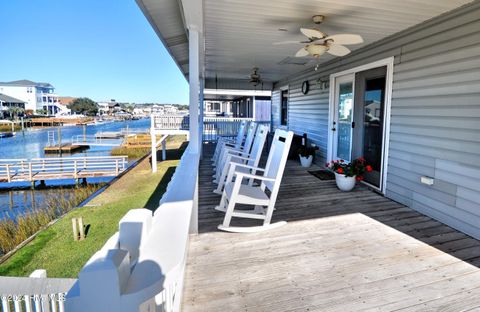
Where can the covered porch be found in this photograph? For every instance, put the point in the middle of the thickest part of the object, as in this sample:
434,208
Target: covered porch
338,252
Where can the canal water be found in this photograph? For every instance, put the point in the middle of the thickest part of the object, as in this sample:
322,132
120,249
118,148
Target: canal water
30,144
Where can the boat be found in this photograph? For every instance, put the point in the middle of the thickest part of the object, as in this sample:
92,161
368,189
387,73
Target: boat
6,134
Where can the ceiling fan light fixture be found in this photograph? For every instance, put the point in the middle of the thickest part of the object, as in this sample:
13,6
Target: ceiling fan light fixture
316,49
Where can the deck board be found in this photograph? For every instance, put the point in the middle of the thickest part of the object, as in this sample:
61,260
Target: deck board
338,252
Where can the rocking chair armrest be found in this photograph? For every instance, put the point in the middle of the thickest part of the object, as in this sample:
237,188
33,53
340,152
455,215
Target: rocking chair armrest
247,166
235,157
241,175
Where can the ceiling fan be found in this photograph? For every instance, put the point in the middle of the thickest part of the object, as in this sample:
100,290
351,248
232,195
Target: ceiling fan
318,43
255,78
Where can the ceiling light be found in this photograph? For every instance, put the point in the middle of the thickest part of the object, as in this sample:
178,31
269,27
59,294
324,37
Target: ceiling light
316,49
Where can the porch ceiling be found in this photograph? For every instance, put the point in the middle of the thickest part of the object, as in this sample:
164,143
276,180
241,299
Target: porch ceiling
239,34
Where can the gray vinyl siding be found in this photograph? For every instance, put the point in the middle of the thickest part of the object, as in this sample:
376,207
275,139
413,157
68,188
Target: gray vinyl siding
435,114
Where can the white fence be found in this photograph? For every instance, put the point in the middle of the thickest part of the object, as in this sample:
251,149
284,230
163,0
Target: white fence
34,293
141,267
38,169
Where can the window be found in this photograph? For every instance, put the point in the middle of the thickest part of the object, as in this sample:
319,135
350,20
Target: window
284,108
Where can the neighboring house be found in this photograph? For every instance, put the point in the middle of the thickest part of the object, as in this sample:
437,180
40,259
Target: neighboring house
169,109
7,102
157,109
238,106
36,95
108,108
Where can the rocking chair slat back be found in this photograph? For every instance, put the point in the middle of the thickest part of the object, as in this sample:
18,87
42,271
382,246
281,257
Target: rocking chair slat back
258,144
240,134
277,158
250,136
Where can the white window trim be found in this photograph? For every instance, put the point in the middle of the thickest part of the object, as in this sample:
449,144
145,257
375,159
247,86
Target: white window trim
389,62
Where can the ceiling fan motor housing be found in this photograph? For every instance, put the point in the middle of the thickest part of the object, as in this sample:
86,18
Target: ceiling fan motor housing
318,19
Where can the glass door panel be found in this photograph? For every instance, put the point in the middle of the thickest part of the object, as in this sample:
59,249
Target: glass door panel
369,121
344,118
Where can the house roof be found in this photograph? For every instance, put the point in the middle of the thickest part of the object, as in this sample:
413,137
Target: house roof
8,99
26,83
240,35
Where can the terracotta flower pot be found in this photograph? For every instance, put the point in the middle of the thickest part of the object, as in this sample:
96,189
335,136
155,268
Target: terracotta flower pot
344,183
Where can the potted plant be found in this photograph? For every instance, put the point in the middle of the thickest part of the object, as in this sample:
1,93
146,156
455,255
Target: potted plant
306,155
347,174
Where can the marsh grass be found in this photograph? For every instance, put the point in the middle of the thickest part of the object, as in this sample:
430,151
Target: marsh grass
136,152
13,231
8,128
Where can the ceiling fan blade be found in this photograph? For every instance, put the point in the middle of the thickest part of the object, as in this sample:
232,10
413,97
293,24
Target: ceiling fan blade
312,33
286,42
302,52
338,50
345,39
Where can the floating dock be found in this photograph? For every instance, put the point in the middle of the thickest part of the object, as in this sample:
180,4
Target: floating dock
66,148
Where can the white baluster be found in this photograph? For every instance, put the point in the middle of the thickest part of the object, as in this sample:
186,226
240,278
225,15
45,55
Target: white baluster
53,302
5,304
28,303
61,302
17,303
44,303
37,303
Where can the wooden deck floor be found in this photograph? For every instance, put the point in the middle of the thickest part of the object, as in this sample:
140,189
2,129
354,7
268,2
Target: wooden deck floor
339,252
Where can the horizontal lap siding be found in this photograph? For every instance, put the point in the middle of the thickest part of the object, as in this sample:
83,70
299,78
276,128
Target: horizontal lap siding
435,115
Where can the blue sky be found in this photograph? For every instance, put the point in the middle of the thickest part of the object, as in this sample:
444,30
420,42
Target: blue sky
102,49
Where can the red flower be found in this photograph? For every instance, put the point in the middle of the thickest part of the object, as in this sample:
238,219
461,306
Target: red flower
341,160
340,170
359,178
327,165
368,168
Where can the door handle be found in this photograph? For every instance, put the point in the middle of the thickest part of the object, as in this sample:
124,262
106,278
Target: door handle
334,129
353,124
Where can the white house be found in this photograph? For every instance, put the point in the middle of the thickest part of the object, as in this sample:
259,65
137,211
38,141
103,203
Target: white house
36,95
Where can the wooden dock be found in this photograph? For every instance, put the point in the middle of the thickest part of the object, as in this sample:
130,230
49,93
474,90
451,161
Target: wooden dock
60,168
340,251
66,148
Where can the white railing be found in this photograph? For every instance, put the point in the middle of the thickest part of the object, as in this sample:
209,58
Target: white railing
171,122
129,131
38,169
95,140
34,293
141,267
213,127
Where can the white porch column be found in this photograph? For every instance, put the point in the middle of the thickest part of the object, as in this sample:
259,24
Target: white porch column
194,83
200,128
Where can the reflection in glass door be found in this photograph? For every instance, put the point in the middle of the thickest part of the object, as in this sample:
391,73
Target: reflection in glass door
369,116
343,118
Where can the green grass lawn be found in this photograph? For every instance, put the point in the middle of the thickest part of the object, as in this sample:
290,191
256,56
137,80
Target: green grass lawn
54,248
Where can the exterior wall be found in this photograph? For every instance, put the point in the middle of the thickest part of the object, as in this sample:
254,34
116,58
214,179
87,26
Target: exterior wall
435,114
21,93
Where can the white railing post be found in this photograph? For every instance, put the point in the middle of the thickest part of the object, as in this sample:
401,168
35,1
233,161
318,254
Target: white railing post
194,75
154,150
8,173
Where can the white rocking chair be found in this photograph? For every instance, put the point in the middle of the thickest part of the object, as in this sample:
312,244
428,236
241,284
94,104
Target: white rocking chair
245,148
238,193
251,159
237,142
